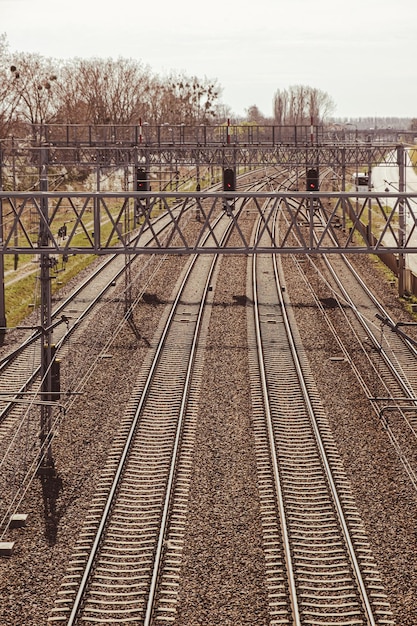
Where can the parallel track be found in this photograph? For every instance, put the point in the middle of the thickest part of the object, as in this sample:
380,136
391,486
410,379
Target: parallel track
126,565
20,380
391,357
319,565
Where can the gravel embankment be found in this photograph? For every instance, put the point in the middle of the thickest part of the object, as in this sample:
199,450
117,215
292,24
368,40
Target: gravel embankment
224,564
223,559
384,495
30,579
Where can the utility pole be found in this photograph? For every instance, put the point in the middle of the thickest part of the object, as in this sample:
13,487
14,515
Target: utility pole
401,220
343,188
47,463
2,296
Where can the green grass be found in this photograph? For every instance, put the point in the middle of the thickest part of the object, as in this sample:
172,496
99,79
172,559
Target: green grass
19,297
413,157
23,296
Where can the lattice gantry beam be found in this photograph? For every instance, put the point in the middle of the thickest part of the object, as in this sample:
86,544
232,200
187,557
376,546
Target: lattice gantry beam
177,223
109,156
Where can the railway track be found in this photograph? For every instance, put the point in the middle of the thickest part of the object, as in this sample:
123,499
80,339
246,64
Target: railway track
20,382
127,563
320,569
20,367
360,324
311,525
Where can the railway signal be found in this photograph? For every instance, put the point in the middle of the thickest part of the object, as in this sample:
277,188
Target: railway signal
55,385
142,183
312,180
229,180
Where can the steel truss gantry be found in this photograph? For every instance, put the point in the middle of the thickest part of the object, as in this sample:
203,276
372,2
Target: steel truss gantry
207,134
47,224
123,222
115,221
335,155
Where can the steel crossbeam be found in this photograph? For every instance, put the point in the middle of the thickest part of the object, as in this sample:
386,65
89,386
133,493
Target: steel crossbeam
113,155
124,222
336,156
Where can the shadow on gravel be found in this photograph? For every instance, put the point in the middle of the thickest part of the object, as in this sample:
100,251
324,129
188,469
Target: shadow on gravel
329,303
136,331
152,298
51,488
241,300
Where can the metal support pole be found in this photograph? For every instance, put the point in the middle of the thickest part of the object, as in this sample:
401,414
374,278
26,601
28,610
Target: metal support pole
311,221
136,204
96,211
127,227
343,188
369,232
401,220
197,168
16,238
47,463
3,321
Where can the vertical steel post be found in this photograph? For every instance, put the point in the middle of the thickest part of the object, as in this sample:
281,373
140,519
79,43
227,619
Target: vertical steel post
343,188
197,166
2,296
401,220
136,203
16,237
311,222
127,234
369,199
96,235
46,317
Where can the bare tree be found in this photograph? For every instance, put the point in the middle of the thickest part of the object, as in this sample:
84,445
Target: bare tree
254,115
322,106
8,100
72,109
192,100
280,106
39,91
22,90
223,112
33,89
300,104
103,91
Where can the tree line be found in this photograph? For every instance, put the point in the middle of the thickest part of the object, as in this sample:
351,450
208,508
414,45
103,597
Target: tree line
37,90
301,104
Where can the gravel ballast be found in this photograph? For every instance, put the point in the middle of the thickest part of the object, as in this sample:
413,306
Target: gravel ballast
223,568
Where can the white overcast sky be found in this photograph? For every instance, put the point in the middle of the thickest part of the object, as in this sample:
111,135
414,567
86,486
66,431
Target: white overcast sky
363,53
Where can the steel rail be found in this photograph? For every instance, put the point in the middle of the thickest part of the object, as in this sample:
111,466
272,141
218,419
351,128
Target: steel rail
121,465
404,340
78,289
129,442
381,312
8,360
321,448
398,377
272,449
374,403
329,473
405,386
